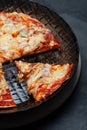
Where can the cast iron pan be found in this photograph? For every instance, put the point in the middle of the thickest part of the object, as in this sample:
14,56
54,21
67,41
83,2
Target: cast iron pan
27,110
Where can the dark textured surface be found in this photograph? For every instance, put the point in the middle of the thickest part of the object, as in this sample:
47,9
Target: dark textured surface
73,114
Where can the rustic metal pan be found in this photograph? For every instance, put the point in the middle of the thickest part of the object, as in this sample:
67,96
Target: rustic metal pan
28,111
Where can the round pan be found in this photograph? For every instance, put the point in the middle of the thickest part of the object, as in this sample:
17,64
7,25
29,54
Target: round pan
29,111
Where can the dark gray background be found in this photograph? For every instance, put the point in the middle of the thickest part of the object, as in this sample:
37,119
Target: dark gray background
73,114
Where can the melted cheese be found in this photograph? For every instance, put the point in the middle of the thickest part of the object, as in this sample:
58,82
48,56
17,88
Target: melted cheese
16,36
43,74
34,42
57,74
42,78
48,77
3,84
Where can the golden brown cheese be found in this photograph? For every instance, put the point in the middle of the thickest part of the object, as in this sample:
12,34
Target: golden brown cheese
43,79
22,35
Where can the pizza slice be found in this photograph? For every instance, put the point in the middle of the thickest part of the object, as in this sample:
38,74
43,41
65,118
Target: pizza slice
6,100
22,35
43,79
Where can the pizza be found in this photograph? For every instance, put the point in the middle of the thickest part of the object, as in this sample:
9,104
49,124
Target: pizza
43,79
22,35
6,100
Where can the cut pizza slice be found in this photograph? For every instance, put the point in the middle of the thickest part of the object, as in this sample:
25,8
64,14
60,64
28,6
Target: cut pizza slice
22,35
43,79
6,100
